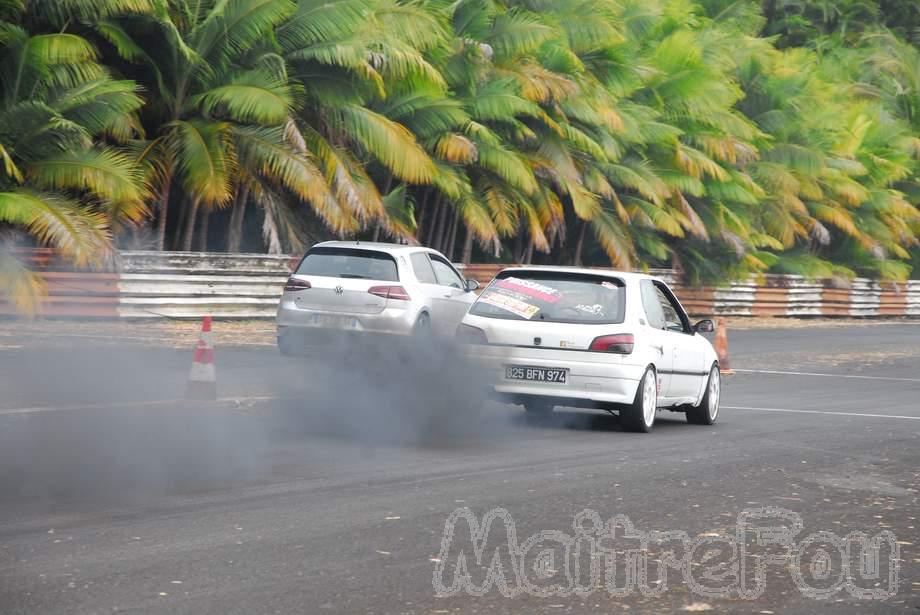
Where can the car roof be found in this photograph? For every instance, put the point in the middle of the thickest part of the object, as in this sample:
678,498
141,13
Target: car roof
613,273
392,248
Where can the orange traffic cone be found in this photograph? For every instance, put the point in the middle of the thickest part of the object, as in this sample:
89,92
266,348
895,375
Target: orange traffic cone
202,380
722,348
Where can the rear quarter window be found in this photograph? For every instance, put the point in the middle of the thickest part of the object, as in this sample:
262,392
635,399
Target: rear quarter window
553,297
422,268
353,263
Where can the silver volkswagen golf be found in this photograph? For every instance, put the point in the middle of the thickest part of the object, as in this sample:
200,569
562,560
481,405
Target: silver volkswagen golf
356,287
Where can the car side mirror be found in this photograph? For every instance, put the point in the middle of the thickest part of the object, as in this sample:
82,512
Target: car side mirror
704,326
471,285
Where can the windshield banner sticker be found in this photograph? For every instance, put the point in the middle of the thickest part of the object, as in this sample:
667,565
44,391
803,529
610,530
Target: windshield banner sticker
530,288
510,304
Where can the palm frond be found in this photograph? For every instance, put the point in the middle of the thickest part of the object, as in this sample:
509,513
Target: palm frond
106,175
267,151
319,21
615,239
20,286
76,231
204,159
518,32
387,141
232,27
252,96
456,148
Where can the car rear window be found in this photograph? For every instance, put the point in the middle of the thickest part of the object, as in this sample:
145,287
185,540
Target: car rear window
553,297
353,263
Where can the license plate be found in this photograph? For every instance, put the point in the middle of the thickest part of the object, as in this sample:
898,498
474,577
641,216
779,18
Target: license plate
536,374
334,322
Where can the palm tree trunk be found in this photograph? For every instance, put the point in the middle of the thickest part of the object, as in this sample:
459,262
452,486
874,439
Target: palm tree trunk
420,222
235,232
528,254
203,231
436,215
184,209
190,226
769,10
387,186
519,245
468,247
164,210
443,223
452,235
579,247
420,219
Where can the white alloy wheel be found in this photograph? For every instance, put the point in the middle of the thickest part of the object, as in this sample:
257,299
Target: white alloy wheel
640,415
649,399
708,410
715,390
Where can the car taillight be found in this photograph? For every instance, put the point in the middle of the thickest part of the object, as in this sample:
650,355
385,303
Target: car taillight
295,284
390,292
621,343
471,335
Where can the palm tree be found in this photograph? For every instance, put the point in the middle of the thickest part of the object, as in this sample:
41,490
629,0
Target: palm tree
219,107
65,177
356,63
639,132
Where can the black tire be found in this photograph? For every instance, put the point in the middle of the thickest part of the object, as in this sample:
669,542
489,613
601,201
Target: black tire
636,417
538,407
707,412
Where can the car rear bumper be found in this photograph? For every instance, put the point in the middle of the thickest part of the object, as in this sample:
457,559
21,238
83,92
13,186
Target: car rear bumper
311,324
591,377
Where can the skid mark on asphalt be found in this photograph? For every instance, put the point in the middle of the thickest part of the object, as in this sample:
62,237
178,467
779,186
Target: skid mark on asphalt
850,376
858,414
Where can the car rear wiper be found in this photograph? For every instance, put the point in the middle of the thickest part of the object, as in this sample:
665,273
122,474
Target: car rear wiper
353,276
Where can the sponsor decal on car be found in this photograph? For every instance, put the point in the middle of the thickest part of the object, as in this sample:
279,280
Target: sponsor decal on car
596,310
529,288
510,304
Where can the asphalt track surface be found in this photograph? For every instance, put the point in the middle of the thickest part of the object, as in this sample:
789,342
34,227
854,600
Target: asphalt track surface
323,484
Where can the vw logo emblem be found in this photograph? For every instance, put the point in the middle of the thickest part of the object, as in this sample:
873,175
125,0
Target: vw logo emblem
339,290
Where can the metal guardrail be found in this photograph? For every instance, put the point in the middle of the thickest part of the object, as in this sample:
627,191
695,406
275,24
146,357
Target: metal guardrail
783,295
189,285
186,285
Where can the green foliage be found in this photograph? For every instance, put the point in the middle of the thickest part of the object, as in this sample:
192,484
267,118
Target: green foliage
726,137
65,180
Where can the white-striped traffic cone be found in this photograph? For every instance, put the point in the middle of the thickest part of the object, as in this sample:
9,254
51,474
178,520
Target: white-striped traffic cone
202,380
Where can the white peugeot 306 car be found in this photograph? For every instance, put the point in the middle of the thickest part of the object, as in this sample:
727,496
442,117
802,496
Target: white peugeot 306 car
350,287
588,338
